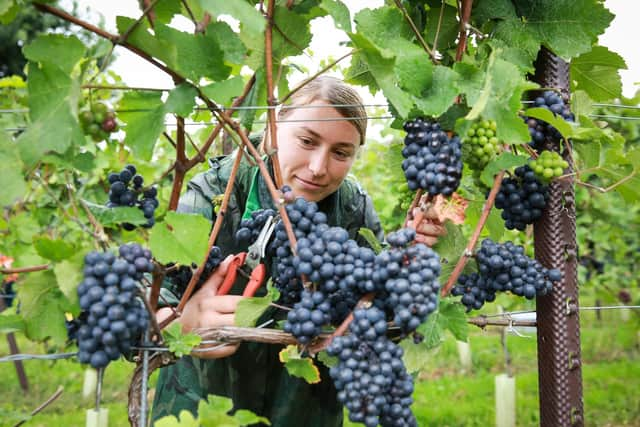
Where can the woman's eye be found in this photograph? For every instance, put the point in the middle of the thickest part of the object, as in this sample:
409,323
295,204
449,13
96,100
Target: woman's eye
306,141
342,154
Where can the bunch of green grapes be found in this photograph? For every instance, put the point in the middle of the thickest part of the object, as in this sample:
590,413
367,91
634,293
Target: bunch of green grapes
548,165
98,121
404,196
480,145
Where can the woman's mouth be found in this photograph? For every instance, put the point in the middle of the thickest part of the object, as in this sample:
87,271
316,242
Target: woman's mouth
309,185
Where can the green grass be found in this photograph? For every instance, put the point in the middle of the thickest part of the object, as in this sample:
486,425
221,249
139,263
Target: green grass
444,396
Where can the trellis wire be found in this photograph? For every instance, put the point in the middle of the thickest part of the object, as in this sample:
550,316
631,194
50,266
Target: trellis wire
267,107
148,348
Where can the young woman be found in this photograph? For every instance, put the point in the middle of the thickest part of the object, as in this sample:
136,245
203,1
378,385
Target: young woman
319,134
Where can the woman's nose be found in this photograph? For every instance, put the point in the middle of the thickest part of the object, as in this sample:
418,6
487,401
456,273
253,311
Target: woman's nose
318,163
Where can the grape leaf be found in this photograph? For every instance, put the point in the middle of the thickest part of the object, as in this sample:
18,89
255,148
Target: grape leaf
54,250
432,331
56,49
504,161
214,413
11,179
224,91
179,343
453,319
554,120
165,10
450,248
41,306
53,97
324,358
112,217
69,274
298,366
546,22
371,239
385,29
181,238
252,22
441,95
383,72
445,30
184,419
415,356
141,38
233,48
181,100
499,99
250,309
339,12
596,72
11,322
195,55
144,121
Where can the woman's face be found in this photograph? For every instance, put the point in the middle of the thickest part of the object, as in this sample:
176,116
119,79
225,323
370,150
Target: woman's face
316,153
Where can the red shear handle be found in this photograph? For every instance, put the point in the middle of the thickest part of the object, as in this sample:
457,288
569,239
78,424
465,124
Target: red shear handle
255,281
232,273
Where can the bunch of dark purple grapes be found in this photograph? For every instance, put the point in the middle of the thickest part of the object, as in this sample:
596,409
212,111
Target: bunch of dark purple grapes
522,198
180,276
432,160
541,130
503,267
370,376
250,227
408,274
127,190
113,317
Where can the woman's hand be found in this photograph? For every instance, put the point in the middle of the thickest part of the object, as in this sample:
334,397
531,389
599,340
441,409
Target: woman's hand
206,309
430,228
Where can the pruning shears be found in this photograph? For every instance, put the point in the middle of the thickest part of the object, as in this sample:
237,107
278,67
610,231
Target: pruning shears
249,263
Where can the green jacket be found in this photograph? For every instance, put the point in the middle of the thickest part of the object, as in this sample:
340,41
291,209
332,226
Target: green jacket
253,376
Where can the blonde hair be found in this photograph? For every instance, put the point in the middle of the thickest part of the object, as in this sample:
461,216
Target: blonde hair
334,92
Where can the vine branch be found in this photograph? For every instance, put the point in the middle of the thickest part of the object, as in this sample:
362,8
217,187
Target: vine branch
30,269
468,252
465,16
273,132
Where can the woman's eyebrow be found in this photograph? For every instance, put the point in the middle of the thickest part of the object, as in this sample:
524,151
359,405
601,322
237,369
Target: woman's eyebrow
319,136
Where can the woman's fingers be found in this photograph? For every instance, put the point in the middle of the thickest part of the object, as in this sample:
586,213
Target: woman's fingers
431,229
427,240
213,282
220,304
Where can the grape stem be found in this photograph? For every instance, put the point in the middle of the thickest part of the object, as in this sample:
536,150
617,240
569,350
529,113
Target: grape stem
30,269
324,342
465,16
272,140
414,203
468,252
